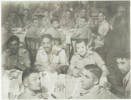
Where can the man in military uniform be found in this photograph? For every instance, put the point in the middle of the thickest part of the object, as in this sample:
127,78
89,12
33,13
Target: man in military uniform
49,58
32,87
33,31
123,63
82,30
66,20
14,56
53,30
103,25
15,60
85,56
90,84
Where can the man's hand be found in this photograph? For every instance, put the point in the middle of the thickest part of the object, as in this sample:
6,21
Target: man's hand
104,82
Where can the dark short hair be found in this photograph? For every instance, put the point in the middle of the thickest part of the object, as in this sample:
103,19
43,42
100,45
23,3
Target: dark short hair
103,12
63,69
54,19
46,36
81,40
58,39
68,10
84,18
122,55
12,38
94,69
27,72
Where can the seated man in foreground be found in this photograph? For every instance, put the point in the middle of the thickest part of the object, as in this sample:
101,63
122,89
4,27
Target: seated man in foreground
32,87
59,85
90,84
123,63
85,56
47,58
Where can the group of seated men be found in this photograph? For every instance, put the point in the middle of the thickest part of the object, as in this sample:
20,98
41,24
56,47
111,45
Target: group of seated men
52,76
82,73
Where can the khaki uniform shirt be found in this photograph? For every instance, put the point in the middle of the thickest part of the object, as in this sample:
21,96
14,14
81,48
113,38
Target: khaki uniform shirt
90,58
97,92
50,62
20,60
103,28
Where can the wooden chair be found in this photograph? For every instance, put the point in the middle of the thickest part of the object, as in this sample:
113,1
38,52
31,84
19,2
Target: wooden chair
32,44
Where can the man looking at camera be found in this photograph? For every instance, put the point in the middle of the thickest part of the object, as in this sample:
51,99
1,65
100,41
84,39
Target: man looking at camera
47,58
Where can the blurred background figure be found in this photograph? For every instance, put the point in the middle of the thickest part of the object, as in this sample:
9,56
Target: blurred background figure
46,21
26,19
119,34
12,58
66,20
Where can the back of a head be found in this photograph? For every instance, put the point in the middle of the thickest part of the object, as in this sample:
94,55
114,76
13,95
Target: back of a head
46,36
11,39
63,69
81,40
94,69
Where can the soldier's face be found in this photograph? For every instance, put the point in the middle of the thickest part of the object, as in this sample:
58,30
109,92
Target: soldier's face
26,12
46,13
14,45
82,22
87,79
36,22
47,44
21,51
55,24
83,13
121,11
67,14
34,82
123,64
81,48
101,17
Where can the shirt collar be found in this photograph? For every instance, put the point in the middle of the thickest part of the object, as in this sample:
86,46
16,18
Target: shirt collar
94,89
41,49
104,21
88,53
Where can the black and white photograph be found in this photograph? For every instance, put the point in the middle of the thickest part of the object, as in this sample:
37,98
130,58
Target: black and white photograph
65,50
